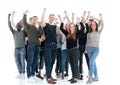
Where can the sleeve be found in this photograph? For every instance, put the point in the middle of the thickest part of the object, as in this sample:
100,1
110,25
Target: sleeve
82,26
64,31
12,21
9,25
87,27
27,26
102,26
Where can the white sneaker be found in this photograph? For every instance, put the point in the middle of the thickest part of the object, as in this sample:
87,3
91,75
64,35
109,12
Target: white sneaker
90,80
31,80
19,76
96,79
36,78
23,76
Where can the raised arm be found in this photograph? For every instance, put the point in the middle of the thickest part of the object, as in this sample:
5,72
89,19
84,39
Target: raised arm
12,19
83,17
66,15
43,18
9,24
25,19
96,19
102,23
62,25
73,15
88,16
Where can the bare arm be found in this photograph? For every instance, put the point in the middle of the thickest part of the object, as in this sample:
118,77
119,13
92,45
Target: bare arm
61,21
43,17
73,15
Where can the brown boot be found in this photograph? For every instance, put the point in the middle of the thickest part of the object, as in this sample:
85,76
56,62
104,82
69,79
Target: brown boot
50,81
62,75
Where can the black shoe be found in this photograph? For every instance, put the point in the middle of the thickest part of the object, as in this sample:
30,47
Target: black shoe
58,75
45,75
39,76
70,79
73,80
65,74
81,78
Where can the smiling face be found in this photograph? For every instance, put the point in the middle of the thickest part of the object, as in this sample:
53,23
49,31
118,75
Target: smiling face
94,26
34,20
51,18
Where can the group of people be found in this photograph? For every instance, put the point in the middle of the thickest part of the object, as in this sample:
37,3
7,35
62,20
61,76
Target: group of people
63,41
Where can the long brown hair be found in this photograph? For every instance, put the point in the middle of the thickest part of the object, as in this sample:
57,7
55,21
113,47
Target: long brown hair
72,35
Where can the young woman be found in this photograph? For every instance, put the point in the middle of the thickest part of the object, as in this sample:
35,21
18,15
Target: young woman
93,49
72,49
64,62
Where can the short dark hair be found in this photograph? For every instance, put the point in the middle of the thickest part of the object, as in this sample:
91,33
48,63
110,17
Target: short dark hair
19,25
30,18
91,19
35,16
51,15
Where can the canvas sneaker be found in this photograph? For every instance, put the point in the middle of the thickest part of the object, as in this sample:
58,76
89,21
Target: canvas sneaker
90,80
19,76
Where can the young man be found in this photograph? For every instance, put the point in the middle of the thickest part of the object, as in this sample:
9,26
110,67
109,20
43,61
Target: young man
33,34
50,45
19,40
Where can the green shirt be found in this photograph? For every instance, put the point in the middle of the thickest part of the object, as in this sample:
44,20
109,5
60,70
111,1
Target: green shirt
33,32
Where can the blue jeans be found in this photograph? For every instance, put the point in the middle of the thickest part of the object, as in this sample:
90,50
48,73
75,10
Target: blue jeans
32,59
50,55
92,54
63,60
20,59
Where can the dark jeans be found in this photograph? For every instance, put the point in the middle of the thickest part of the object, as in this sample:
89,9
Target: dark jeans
73,55
58,62
66,65
32,59
41,63
50,55
40,60
82,49
26,52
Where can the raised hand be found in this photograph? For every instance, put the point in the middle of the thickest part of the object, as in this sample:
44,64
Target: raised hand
65,12
78,19
26,12
9,16
44,9
13,13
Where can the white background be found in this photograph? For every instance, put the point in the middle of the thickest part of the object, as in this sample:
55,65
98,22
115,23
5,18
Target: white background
108,59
